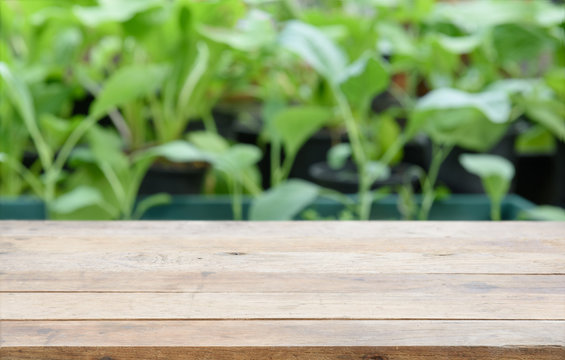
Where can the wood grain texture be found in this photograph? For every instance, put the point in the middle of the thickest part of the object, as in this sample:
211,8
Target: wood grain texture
377,305
283,353
247,281
284,333
271,290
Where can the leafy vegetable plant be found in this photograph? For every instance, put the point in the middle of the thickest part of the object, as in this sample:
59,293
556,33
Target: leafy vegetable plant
352,86
496,174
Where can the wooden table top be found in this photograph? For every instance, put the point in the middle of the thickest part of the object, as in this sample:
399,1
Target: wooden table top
282,290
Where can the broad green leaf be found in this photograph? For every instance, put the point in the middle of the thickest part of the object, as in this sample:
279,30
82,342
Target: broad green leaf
484,165
518,42
548,113
128,84
515,86
76,199
283,202
364,79
555,78
209,142
386,132
55,129
194,76
253,32
178,151
19,94
496,173
494,105
377,170
338,155
461,44
394,39
295,125
476,15
536,140
238,158
149,202
113,10
453,117
545,213
314,47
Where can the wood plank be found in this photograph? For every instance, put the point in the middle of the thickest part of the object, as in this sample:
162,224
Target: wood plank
284,353
377,305
210,282
291,262
282,333
247,237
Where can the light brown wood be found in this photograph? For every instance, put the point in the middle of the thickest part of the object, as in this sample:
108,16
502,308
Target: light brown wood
300,290
377,305
283,353
245,282
283,333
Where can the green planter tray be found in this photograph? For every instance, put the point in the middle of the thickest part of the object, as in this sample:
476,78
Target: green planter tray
199,207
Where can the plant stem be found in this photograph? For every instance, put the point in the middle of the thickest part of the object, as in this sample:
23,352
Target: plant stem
354,134
495,209
275,162
209,122
237,207
438,156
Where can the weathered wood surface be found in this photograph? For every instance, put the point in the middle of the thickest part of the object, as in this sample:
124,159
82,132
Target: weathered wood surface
300,290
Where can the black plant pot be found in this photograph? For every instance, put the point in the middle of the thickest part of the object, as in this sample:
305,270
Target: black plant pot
559,175
418,152
536,178
460,181
346,179
224,121
174,179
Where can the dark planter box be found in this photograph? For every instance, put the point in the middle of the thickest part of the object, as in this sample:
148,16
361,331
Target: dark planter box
22,208
199,207
456,207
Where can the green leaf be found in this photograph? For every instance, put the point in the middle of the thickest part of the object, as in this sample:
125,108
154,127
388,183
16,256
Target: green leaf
338,155
536,140
238,158
460,44
178,151
113,10
363,80
283,202
253,32
453,117
149,202
485,165
475,15
209,142
496,173
545,213
18,92
186,96
493,104
128,84
548,113
76,199
515,86
518,42
314,47
295,125
377,170
555,78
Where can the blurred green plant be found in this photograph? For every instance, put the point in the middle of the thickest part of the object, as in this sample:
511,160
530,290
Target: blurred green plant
496,174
